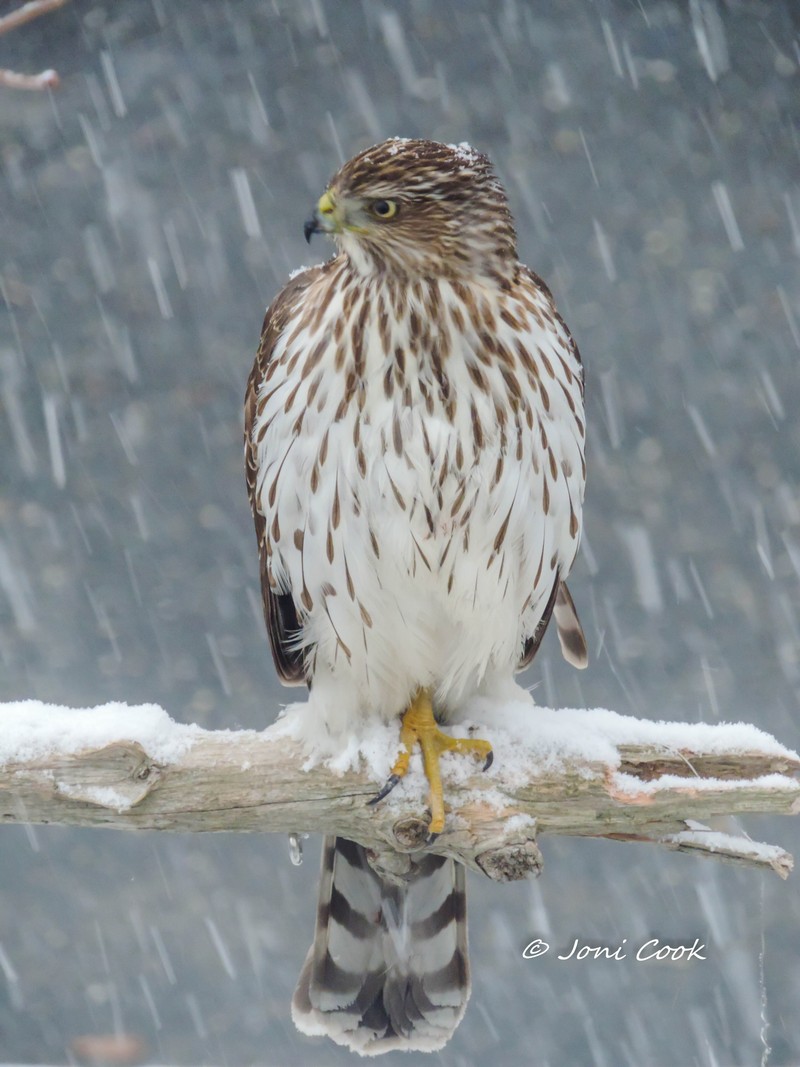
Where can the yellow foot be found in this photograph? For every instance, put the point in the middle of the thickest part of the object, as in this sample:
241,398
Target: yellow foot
420,726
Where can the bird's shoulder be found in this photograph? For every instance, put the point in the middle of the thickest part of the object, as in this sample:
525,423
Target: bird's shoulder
282,309
279,609
279,315
529,281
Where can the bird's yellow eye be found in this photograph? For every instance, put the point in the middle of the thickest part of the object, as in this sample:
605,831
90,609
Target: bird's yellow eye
384,209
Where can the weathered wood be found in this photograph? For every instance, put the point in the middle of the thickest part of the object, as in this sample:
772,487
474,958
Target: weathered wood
255,782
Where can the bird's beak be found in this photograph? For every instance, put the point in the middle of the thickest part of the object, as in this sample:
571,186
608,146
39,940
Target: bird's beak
325,219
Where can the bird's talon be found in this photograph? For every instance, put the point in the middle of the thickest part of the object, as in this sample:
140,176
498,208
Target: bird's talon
419,728
391,782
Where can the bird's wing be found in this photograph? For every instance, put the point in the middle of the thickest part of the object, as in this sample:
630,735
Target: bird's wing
280,613
559,603
570,631
531,646
537,281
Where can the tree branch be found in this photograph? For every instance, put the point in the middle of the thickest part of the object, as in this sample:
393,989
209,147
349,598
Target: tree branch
134,768
32,10
11,79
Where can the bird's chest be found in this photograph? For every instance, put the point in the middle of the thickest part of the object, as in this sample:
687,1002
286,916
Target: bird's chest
395,455
404,447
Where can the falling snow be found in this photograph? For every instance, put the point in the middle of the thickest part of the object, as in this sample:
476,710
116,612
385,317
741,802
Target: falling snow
151,208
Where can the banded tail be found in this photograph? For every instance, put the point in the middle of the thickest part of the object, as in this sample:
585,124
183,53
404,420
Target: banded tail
388,969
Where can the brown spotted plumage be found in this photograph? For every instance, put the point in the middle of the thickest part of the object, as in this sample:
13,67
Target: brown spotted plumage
414,437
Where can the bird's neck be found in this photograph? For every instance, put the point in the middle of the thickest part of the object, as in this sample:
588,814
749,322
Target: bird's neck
492,261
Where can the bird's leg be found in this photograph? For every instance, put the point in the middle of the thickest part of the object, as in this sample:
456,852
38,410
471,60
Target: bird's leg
419,726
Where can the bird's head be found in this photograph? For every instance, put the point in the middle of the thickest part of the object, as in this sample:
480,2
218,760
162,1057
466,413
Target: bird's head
416,208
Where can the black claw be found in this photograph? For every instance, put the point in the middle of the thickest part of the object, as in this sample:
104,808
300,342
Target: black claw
391,782
429,837
489,761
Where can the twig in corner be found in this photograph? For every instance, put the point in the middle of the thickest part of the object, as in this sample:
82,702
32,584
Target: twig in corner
11,79
27,13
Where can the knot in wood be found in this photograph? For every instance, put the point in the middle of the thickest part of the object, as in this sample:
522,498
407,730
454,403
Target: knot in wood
411,832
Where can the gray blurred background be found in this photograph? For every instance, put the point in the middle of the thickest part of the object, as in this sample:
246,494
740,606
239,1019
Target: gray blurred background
149,210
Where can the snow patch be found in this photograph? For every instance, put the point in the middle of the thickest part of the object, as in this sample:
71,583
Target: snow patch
105,796
715,841
31,730
397,144
465,152
301,270
530,741
633,786
520,822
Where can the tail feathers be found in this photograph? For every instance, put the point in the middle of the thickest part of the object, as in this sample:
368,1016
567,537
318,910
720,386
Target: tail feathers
388,968
570,631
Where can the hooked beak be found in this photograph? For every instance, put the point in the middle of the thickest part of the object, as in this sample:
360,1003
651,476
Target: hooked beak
326,218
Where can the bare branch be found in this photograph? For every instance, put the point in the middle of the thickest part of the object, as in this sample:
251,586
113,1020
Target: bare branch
11,79
33,10
255,782
731,849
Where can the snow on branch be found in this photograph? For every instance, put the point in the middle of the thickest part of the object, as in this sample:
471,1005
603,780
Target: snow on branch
590,773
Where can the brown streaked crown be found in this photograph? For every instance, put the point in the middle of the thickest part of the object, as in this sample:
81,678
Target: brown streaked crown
452,214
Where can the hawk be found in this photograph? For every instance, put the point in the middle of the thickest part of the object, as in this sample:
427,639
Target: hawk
414,447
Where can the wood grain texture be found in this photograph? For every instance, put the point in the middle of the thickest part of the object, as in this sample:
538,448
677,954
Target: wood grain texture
251,782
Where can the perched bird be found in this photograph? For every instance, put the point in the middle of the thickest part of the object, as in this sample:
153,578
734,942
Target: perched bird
415,462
